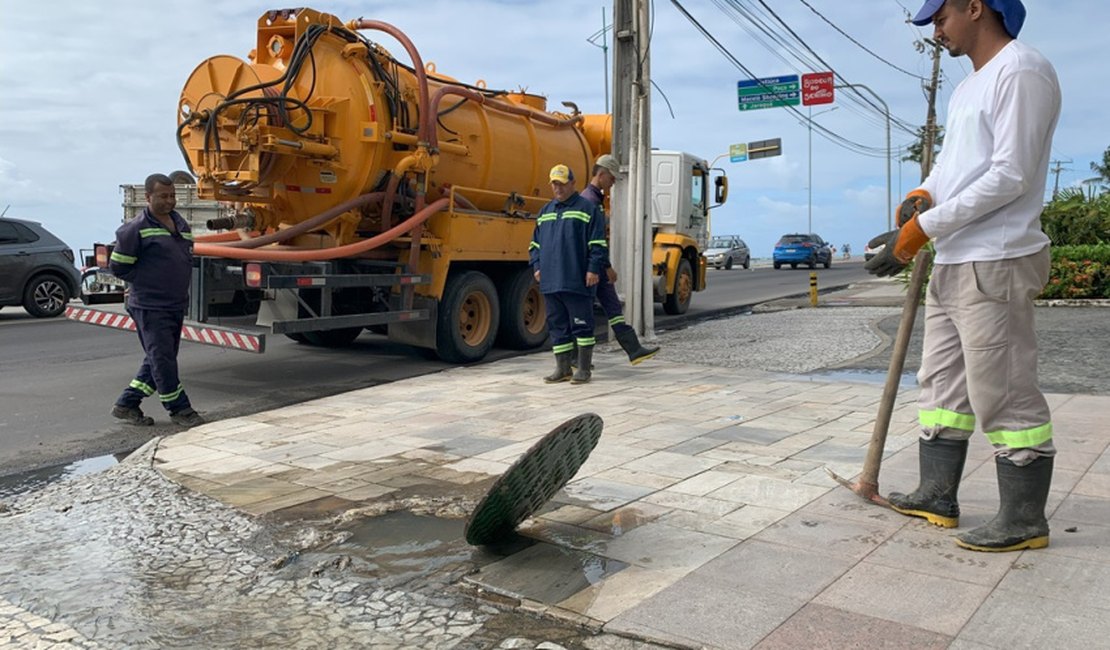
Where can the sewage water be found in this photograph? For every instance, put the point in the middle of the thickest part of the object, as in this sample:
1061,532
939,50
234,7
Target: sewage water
24,482
908,379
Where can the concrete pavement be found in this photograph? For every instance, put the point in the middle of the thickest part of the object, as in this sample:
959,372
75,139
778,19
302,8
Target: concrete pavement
704,517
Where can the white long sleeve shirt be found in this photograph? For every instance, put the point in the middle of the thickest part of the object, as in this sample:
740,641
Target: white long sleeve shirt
989,179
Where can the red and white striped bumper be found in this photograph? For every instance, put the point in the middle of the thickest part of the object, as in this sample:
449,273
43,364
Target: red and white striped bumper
220,337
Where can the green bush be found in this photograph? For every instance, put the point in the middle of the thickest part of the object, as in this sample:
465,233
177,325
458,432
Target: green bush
1079,272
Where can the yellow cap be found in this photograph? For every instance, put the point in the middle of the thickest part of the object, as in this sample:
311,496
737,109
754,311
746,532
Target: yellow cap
561,174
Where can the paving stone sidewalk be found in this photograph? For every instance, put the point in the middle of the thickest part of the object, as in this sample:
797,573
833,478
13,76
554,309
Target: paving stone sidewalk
706,503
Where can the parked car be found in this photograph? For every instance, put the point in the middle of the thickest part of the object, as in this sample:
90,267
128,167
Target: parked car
798,249
36,268
725,251
869,252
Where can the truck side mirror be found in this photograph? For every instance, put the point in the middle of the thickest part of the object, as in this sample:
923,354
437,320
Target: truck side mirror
720,190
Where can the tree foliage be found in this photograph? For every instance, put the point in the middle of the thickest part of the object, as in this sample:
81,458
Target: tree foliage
1103,170
1076,218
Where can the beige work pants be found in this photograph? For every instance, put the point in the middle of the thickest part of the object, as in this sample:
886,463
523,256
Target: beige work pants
979,363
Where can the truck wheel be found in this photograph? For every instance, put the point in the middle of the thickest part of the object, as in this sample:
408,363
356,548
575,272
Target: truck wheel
523,315
45,296
468,318
678,301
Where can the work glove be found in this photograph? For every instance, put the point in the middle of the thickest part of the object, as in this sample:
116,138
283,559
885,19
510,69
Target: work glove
915,203
901,246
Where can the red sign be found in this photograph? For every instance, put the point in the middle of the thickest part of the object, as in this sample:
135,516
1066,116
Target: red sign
817,88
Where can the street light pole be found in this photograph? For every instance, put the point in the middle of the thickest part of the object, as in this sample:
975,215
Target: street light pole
886,111
809,124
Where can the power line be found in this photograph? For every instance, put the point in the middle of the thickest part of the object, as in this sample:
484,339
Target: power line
744,17
861,45
824,132
902,124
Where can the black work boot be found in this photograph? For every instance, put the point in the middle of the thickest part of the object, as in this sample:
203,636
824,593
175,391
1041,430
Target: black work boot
631,344
1020,522
574,358
562,368
132,415
187,417
585,364
941,465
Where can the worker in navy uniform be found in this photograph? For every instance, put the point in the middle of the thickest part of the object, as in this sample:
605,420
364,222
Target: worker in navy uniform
604,176
154,254
568,255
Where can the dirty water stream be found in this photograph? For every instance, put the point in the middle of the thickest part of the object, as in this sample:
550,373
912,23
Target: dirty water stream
129,559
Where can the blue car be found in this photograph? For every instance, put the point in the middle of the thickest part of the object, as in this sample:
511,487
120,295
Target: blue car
797,249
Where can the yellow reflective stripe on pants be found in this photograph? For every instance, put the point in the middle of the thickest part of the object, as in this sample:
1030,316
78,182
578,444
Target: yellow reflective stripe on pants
140,386
1021,439
945,418
564,347
586,341
169,397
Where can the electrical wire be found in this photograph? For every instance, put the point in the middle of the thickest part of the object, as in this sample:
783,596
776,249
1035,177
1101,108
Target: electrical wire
860,45
822,131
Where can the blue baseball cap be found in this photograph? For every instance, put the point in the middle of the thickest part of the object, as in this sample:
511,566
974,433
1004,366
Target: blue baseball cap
1012,12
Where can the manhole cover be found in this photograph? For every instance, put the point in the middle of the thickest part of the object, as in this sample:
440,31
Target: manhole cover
532,480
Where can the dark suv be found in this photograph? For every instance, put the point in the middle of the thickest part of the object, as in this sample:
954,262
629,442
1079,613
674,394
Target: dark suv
36,269
797,249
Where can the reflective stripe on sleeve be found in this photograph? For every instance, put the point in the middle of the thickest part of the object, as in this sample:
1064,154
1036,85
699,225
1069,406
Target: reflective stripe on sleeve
123,259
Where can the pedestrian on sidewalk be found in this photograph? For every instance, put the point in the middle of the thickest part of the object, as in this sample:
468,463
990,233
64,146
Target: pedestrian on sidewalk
604,176
568,253
981,204
154,254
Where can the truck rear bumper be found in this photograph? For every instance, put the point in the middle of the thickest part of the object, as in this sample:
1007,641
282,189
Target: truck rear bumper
116,317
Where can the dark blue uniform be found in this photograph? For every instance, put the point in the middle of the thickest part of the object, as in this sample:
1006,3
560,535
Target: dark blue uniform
606,292
568,242
158,264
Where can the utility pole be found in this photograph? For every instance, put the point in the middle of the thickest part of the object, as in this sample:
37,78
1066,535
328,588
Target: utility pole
1056,171
631,199
931,116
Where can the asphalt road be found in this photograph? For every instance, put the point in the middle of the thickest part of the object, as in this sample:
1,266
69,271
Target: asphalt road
58,379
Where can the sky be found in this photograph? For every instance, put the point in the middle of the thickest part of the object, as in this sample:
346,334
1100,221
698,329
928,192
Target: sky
88,94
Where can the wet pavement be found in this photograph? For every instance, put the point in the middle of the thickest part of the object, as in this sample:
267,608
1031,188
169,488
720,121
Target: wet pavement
704,518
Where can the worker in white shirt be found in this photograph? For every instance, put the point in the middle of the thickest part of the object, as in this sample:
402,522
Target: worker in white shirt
981,205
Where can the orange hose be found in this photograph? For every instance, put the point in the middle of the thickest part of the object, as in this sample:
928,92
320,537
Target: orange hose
308,224
493,104
348,250
417,64
215,237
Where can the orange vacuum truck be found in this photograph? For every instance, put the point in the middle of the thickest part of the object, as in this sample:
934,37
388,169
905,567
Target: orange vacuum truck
370,192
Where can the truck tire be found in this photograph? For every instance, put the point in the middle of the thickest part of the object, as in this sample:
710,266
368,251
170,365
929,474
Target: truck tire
678,301
523,316
45,296
468,318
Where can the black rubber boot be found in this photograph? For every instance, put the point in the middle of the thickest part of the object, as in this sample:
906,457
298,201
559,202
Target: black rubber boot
574,359
562,368
585,365
631,344
1020,522
941,465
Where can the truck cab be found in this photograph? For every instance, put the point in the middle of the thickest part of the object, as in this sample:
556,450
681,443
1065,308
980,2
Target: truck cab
681,201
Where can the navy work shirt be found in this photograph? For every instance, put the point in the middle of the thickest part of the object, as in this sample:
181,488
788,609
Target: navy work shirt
158,263
568,241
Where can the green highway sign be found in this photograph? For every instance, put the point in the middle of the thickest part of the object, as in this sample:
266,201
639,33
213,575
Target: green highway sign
769,92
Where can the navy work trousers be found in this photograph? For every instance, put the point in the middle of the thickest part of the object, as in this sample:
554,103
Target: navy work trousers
611,304
160,335
570,318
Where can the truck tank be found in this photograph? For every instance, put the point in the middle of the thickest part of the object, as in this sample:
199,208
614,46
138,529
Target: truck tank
321,116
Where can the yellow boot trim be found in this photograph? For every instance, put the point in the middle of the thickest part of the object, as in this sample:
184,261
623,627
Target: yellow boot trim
1031,543
644,358
931,517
